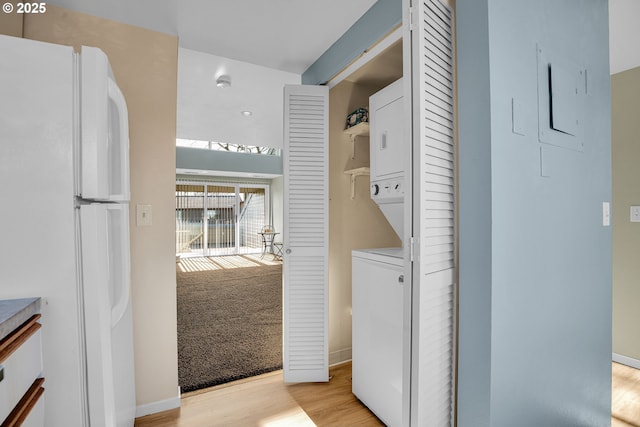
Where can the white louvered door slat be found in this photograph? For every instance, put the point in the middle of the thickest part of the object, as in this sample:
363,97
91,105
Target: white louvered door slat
305,267
434,220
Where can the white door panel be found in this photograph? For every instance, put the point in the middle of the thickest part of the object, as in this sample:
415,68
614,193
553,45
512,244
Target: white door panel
305,267
433,322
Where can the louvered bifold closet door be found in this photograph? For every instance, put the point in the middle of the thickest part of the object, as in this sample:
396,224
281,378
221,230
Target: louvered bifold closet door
434,219
306,211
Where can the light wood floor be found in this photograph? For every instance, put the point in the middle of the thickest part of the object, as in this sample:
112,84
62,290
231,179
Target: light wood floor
625,407
267,402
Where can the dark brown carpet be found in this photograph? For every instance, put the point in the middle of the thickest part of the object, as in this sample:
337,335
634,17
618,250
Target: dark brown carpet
229,325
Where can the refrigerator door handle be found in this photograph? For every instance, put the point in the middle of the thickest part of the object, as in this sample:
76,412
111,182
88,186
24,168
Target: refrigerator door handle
95,252
124,281
117,97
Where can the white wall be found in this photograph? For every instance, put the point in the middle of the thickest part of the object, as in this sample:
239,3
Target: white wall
625,104
624,33
209,113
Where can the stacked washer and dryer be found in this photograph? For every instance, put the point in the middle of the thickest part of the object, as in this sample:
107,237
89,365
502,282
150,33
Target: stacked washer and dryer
377,274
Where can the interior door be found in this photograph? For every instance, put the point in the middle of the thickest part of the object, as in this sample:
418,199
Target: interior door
306,232
434,270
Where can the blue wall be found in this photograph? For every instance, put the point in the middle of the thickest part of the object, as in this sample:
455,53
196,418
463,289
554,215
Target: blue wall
475,226
376,23
535,259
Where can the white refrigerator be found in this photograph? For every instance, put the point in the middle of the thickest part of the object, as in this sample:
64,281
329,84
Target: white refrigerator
64,224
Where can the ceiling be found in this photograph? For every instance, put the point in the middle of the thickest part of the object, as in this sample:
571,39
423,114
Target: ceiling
209,113
380,71
268,33
287,35
284,35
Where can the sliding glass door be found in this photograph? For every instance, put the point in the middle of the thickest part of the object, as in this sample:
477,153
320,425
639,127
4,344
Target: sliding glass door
227,216
221,214
189,219
251,219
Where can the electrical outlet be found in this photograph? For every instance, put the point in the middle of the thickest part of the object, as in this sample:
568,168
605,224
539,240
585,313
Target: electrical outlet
635,213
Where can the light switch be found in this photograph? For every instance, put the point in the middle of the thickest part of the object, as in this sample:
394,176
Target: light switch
635,213
544,163
517,117
606,214
143,215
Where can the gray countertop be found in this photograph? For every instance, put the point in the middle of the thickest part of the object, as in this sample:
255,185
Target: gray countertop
14,312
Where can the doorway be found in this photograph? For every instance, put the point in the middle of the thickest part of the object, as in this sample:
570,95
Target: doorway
229,293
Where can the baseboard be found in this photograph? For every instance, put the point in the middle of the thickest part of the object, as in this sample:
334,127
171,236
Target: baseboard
618,358
340,356
340,363
160,406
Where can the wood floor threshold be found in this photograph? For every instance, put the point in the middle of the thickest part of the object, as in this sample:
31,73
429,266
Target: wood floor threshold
249,379
230,384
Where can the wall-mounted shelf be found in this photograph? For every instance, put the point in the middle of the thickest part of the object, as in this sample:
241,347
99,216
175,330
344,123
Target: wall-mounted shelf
356,173
361,129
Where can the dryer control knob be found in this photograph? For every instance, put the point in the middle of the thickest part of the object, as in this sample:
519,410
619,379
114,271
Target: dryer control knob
375,189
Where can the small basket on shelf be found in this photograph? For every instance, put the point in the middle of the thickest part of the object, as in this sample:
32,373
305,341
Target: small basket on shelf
360,115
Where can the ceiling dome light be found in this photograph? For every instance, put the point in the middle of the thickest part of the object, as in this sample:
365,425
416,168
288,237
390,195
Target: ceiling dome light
223,81
246,113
